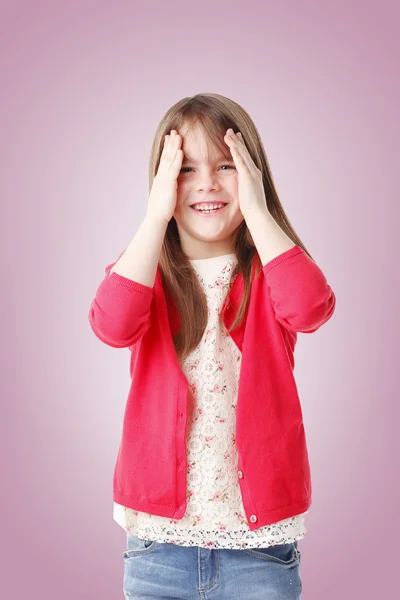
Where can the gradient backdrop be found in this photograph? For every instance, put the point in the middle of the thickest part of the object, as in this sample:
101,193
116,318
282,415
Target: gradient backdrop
84,85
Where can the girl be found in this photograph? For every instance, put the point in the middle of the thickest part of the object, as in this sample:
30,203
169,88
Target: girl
212,479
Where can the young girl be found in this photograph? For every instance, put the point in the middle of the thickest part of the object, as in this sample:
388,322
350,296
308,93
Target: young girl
212,479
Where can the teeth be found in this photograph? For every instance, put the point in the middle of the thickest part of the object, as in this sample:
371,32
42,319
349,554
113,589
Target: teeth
209,209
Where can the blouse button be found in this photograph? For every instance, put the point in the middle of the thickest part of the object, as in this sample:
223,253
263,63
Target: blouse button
253,518
240,474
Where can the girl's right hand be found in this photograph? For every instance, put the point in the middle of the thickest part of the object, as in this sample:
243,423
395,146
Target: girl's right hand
163,195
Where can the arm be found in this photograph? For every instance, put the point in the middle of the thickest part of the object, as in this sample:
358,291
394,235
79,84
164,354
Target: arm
120,311
140,259
298,290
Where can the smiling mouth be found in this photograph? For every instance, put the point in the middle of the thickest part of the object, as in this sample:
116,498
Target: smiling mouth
212,211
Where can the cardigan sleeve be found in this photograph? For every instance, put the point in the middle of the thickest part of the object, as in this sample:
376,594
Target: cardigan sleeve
119,313
300,295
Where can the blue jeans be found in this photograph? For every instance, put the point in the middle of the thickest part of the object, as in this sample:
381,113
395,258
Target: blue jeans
162,570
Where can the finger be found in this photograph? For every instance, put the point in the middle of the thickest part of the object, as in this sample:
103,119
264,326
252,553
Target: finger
243,150
240,138
239,151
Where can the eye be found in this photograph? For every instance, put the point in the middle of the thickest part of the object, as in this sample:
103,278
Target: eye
228,166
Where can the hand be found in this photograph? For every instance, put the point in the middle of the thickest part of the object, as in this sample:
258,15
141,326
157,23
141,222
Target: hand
163,195
250,184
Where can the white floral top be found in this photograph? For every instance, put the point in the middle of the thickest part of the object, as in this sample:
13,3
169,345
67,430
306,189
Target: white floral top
215,516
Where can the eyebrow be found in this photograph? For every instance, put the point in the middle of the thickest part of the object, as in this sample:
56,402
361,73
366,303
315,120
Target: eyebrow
192,160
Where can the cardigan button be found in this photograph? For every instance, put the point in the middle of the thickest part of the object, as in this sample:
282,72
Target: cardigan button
240,474
253,518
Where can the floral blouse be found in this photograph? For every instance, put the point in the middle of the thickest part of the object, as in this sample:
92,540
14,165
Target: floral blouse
215,516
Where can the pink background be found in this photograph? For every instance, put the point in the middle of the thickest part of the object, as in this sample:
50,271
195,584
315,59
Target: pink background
84,85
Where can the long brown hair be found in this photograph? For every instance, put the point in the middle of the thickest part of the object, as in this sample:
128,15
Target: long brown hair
215,114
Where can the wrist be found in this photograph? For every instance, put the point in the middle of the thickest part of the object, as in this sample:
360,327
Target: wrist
257,213
155,220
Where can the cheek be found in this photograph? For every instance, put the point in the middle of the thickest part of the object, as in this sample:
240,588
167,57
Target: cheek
233,181
181,198
181,189
233,187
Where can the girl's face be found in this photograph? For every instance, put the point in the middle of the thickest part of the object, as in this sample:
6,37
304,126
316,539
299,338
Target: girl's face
206,179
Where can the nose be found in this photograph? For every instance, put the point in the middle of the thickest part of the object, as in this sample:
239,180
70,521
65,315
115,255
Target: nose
207,183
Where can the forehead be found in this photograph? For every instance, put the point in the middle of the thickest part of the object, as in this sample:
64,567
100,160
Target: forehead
197,147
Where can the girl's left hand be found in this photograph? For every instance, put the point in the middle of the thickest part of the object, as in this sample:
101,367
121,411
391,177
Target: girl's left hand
250,185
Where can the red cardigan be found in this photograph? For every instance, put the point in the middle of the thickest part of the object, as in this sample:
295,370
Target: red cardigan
290,295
